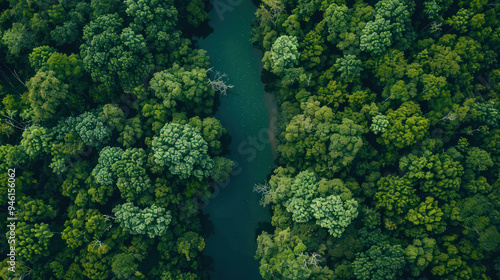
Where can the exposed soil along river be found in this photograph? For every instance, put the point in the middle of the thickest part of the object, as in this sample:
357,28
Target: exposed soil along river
234,208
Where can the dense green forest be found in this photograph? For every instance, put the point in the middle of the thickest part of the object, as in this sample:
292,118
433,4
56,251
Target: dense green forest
389,139
107,130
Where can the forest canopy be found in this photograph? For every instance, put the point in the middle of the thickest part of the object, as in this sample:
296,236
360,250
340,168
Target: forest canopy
388,139
388,159
94,97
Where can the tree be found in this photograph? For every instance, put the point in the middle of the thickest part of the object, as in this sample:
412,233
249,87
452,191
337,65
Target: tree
419,254
18,38
349,67
380,262
379,124
219,82
157,21
489,113
334,214
211,130
65,67
315,139
46,94
392,19
39,56
345,143
390,68
35,140
376,36
124,266
478,159
438,175
152,221
428,215
333,95
131,133
312,48
190,244
302,192
183,90
282,255
480,221
133,182
33,210
92,129
96,266
32,241
337,18
284,54
113,54
103,170
71,30
222,169
407,126
396,195
196,13
183,151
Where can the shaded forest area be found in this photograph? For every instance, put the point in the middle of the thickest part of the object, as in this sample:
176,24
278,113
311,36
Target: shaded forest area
389,143
106,111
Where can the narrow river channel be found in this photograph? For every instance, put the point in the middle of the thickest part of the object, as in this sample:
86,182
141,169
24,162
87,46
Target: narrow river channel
234,208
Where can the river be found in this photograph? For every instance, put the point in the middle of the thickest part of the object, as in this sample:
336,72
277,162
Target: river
246,113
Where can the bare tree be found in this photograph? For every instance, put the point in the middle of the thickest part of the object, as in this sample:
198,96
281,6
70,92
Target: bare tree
97,243
219,82
26,273
314,259
270,10
436,26
450,117
108,218
9,119
265,191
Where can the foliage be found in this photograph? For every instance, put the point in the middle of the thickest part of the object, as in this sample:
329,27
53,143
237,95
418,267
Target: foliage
190,244
152,221
284,54
183,90
334,214
133,182
379,262
183,151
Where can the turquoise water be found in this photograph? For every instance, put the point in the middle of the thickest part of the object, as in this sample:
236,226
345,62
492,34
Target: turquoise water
234,208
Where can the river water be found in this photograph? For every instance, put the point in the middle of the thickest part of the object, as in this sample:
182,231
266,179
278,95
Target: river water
234,208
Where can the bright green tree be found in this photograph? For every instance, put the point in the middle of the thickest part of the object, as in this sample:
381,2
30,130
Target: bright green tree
419,254
428,215
379,124
283,54
282,255
32,241
103,172
333,213
183,151
153,220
